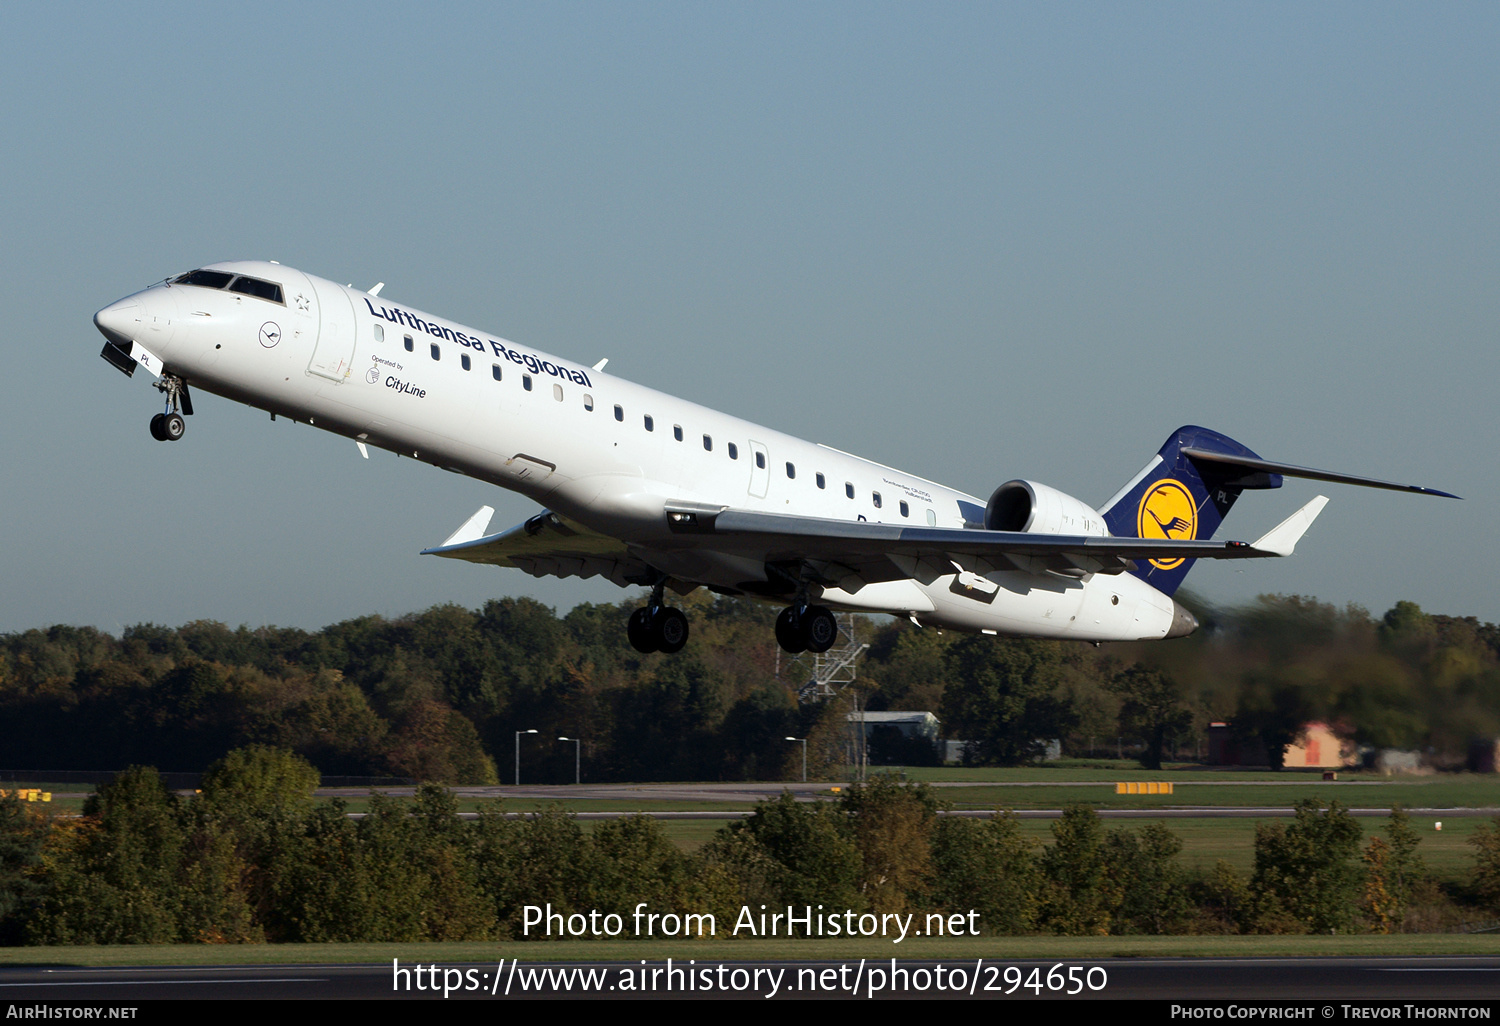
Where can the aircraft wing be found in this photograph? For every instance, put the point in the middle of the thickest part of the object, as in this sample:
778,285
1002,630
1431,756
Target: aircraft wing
839,553
850,554
542,546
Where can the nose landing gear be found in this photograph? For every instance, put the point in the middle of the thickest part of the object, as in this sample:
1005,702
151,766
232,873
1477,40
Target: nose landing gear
168,426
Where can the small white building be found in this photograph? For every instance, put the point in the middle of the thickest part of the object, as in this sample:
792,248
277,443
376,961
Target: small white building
911,724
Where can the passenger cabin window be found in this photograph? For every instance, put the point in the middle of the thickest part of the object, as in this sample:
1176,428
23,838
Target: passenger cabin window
619,413
677,431
437,354
206,279
463,358
588,402
760,460
791,471
876,497
849,489
708,444
734,451
905,509
409,349
822,481
931,519
557,392
380,333
267,290
650,424
495,370
526,382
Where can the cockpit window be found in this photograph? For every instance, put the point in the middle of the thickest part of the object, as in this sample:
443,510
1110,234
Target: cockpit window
207,279
254,287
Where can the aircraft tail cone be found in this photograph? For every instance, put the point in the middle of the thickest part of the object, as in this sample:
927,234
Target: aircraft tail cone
1183,622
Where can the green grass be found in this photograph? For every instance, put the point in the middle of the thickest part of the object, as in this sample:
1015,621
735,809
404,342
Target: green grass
634,804
1447,853
955,948
1440,793
689,835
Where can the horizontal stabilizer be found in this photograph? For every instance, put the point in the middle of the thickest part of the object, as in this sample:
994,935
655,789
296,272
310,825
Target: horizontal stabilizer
1288,470
473,528
1283,538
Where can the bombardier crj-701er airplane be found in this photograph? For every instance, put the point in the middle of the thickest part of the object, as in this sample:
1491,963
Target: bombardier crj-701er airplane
646,489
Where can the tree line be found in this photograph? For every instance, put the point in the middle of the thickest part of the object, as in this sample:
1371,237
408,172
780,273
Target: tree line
439,695
255,858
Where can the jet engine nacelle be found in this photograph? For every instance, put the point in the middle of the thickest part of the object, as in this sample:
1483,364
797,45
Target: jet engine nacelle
1032,508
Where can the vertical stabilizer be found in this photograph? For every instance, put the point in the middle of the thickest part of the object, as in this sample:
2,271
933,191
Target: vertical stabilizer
1180,498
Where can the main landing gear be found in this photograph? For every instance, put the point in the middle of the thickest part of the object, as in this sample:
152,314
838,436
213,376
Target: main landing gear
656,627
804,628
169,426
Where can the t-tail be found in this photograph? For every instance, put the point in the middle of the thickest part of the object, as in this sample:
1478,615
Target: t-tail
1188,488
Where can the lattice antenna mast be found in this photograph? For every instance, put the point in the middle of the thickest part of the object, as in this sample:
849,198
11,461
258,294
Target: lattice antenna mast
819,677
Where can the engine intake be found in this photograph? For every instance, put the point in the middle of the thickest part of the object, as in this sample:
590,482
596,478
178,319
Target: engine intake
1031,508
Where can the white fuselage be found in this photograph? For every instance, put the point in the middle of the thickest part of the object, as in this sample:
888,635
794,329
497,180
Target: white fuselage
576,440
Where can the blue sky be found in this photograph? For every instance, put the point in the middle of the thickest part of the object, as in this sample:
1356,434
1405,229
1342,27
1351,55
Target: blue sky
976,242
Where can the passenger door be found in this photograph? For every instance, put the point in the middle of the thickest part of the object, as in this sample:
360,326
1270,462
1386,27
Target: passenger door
760,470
333,357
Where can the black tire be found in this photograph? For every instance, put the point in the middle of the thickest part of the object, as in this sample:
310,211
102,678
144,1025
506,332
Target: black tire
819,628
671,630
173,427
638,630
789,632
156,429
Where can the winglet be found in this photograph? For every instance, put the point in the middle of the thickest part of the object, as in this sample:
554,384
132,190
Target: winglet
1283,538
473,528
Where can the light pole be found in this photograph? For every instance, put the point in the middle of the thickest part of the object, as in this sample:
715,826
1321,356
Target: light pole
577,756
518,753
804,755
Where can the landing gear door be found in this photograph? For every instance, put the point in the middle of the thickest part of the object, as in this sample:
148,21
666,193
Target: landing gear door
333,357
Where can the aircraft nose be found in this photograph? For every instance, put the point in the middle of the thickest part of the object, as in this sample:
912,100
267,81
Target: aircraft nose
120,322
1183,622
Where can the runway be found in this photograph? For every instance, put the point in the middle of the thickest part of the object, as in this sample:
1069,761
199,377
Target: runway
633,796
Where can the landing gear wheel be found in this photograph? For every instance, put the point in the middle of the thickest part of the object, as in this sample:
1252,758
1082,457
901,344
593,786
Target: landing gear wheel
670,629
789,631
639,630
819,629
169,426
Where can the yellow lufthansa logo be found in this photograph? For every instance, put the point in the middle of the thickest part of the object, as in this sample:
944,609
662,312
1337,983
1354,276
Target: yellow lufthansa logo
1167,511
